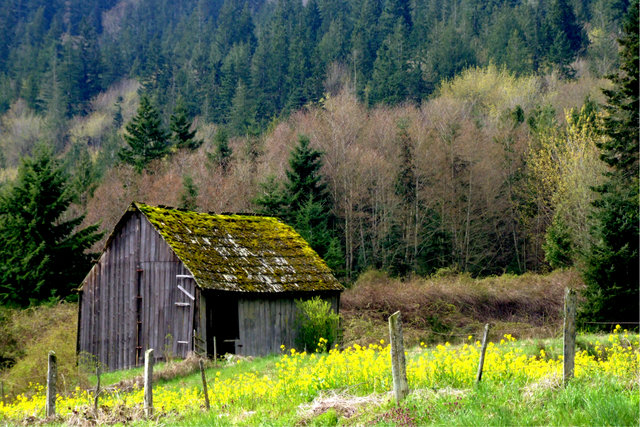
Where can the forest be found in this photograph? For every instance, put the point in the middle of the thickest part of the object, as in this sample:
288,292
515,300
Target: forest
415,137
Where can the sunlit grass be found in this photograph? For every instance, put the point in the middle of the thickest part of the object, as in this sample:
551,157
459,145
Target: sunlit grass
272,390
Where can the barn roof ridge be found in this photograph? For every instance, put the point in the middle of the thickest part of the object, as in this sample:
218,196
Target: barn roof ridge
243,253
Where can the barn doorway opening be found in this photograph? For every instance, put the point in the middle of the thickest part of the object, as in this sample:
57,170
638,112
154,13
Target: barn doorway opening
222,319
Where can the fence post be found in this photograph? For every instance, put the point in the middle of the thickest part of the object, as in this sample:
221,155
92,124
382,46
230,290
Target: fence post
204,386
52,376
97,396
569,341
148,382
482,352
398,363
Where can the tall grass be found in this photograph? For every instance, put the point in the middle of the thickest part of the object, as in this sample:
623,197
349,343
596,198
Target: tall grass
27,336
450,307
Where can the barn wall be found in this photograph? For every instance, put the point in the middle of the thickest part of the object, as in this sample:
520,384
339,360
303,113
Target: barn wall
108,309
129,300
266,323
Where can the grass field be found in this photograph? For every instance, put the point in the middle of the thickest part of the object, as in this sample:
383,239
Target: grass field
521,386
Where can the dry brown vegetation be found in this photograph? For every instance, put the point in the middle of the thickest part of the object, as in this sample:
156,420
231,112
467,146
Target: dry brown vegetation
468,160
452,307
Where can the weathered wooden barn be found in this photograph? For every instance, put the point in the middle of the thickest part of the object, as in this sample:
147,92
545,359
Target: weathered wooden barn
166,273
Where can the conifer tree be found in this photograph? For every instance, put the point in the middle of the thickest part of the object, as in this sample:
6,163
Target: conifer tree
43,254
223,150
612,266
189,195
180,126
304,181
146,138
303,201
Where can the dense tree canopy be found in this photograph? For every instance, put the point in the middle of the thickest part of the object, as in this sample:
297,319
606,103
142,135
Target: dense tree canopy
57,55
43,254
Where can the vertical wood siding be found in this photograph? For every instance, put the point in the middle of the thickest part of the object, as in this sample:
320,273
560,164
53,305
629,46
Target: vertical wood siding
108,318
267,323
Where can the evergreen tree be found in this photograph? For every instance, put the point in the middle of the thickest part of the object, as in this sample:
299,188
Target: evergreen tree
145,137
189,195
612,265
565,37
223,150
304,181
42,253
180,126
303,202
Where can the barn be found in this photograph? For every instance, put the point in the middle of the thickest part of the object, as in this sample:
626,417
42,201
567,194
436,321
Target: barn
172,280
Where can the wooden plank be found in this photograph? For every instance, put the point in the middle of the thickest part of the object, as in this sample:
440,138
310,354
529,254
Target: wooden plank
202,321
187,293
249,344
241,327
120,273
272,326
104,296
129,297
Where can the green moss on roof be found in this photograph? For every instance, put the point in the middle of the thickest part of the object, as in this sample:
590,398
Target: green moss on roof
241,252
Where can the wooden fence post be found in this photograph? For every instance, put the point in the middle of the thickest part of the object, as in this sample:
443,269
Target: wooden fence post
204,386
215,353
482,352
569,341
148,382
398,363
97,396
52,376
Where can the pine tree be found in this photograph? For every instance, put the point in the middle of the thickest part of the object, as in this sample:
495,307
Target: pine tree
43,254
146,138
223,150
180,126
304,203
304,181
189,195
611,272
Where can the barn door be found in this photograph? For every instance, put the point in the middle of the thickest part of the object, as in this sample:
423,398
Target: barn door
184,302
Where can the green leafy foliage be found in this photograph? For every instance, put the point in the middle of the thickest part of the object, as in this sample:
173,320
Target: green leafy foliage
43,254
317,325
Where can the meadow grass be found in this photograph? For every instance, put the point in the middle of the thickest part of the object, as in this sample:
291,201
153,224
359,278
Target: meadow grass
521,386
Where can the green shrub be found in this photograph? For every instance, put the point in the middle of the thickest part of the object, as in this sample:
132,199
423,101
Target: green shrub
317,325
328,418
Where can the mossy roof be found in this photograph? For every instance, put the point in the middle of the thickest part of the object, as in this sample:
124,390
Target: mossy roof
241,252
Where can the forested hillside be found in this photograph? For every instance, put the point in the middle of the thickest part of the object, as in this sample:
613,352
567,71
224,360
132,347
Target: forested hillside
244,63
410,136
